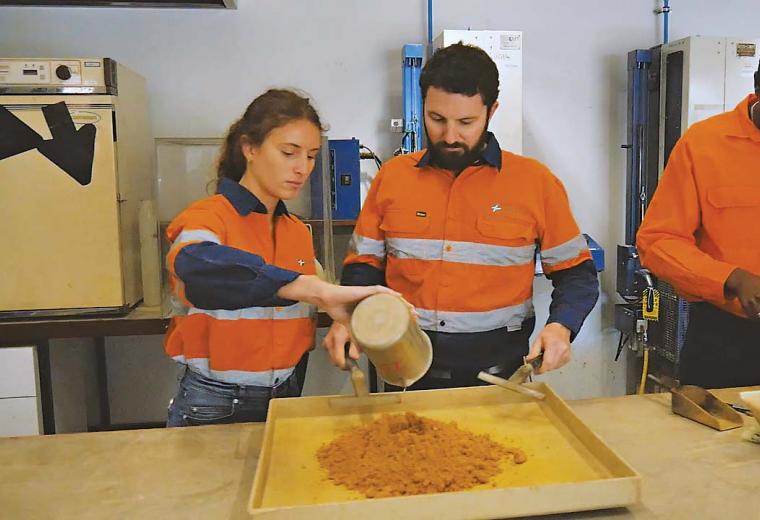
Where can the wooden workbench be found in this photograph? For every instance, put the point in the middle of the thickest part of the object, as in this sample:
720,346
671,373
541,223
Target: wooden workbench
689,471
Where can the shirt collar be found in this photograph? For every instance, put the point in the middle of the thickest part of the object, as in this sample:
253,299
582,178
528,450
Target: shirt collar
744,126
243,200
491,154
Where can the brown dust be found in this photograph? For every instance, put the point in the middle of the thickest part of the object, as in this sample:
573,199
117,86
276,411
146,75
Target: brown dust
406,454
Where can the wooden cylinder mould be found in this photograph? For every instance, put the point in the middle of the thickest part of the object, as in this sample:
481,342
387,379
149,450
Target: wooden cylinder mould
386,330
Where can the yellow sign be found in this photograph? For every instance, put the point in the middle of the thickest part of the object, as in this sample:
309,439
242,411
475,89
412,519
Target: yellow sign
650,304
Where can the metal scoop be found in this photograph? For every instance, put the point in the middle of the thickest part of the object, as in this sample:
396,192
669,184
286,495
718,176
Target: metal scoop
697,404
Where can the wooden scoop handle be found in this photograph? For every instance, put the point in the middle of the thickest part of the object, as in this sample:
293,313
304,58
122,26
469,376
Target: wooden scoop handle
358,381
509,385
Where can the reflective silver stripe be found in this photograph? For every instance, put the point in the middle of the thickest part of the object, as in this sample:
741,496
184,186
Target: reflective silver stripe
415,248
511,317
268,378
460,252
362,245
564,252
177,307
249,313
487,254
298,310
195,235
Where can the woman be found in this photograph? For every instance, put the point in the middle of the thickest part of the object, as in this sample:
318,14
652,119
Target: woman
243,271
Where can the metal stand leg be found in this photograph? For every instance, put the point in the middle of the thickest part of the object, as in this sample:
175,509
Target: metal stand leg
102,381
46,387
372,378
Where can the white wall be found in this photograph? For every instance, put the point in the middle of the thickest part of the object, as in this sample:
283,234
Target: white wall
203,67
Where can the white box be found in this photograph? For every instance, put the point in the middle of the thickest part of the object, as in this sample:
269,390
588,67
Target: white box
19,372
20,407
20,416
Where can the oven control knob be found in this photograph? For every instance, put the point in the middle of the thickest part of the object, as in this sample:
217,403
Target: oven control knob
63,72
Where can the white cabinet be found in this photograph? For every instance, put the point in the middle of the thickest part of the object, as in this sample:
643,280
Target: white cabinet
20,411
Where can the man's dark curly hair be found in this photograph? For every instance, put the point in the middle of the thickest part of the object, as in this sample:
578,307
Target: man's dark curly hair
462,69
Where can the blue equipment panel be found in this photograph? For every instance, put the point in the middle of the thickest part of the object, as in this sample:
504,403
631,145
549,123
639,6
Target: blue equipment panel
597,253
345,190
597,256
412,97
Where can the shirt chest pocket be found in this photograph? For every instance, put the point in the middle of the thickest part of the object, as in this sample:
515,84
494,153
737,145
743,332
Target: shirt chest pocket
406,233
400,222
734,211
726,197
508,231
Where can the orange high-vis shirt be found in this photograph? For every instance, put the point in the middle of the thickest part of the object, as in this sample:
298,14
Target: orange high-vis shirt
226,265
704,219
461,249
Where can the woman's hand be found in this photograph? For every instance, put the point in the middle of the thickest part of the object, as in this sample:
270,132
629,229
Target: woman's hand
336,300
339,301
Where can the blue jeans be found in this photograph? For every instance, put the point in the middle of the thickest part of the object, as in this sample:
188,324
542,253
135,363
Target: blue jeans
201,400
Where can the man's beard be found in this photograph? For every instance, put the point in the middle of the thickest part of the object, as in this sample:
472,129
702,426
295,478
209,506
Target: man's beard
455,157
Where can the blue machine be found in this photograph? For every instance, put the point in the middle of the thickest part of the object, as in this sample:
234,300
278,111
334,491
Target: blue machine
666,334
412,97
345,190
597,253
639,188
641,163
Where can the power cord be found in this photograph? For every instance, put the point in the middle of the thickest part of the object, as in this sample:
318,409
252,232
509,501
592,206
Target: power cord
370,155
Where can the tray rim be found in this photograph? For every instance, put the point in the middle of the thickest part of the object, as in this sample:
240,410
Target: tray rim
624,490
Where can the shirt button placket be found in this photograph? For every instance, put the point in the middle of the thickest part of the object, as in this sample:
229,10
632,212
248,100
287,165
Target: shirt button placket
443,282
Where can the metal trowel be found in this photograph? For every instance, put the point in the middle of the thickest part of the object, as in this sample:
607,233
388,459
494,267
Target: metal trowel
527,369
517,379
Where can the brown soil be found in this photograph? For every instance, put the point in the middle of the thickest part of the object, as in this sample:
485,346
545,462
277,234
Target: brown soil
406,454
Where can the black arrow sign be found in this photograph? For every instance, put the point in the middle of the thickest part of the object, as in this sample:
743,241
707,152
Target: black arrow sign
70,149
15,136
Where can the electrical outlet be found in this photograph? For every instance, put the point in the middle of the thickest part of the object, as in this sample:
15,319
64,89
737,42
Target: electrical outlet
397,125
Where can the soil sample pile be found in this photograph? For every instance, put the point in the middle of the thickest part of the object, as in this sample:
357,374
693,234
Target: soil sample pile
406,454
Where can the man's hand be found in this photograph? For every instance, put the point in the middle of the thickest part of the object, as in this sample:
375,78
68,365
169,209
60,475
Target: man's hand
745,286
335,342
554,342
